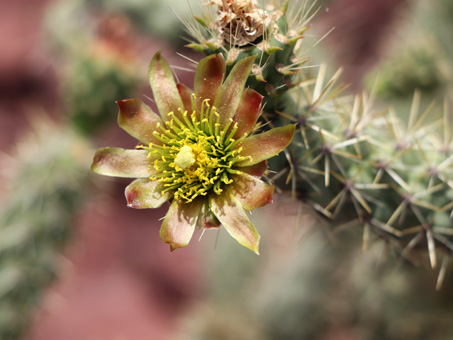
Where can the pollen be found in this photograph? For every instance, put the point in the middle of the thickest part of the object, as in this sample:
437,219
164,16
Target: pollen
196,155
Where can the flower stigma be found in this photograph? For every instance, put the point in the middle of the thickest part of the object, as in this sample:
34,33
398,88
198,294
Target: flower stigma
196,155
185,158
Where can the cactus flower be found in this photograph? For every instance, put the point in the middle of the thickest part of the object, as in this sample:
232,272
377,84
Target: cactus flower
201,153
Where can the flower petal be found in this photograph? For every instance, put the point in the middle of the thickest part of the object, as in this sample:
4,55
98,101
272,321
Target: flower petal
138,120
122,163
230,213
143,194
179,223
186,96
248,112
251,192
208,79
207,219
164,87
266,145
230,93
256,170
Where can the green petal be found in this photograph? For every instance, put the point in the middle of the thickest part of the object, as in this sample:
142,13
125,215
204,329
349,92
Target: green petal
233,217
122,163
248,112
164,87
266,145
251,192
143,194
186,96
208,79
179,223
230,93
257,170
138,120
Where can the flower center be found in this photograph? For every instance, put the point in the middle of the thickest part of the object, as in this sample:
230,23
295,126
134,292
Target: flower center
185,158
197,156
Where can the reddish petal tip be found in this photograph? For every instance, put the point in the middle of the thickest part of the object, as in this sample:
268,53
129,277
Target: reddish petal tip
129,107
131,195
209,225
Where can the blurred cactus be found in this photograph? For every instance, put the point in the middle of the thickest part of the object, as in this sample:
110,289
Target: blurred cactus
37,215
99,73
417,54
50,177
414,68
155,17
100,62
316,288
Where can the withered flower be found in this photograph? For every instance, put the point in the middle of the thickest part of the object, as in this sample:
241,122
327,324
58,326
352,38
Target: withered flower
241,21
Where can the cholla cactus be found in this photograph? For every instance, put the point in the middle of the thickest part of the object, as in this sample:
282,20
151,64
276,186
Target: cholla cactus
364,166
353,162
199,153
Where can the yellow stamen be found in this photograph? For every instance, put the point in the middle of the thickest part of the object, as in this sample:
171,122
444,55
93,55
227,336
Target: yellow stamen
197,155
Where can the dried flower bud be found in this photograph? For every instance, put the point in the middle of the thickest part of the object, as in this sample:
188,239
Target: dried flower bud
241,21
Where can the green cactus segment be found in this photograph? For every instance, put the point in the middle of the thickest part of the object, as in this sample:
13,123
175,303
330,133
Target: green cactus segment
37,219
358,165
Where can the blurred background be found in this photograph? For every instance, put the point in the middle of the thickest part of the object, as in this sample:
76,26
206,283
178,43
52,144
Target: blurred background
76,263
